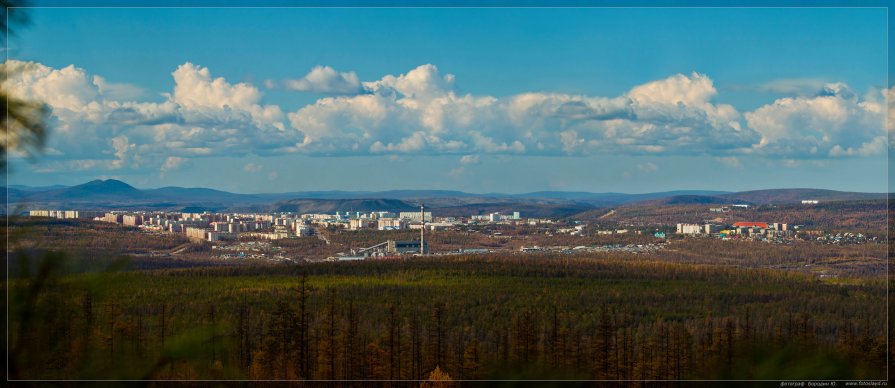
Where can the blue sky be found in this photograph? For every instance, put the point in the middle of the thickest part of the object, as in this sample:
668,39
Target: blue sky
480,100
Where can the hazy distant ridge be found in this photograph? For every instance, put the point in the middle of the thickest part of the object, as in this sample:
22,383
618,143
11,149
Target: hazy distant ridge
115,194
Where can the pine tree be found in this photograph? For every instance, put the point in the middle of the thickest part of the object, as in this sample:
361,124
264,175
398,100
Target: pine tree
162,325
303,359
243,336
416,358
393,343
471,362
436,335
327,347
605,332
526,336
352,353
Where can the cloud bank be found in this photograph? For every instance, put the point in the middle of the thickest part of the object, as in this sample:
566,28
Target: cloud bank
97,124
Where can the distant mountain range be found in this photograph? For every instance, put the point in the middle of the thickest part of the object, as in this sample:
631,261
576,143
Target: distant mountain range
114,194
329,206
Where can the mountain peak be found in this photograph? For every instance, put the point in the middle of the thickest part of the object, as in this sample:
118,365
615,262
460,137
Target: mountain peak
108,184
99,189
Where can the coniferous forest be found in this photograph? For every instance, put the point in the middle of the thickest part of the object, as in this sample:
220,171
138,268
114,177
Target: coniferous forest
596,316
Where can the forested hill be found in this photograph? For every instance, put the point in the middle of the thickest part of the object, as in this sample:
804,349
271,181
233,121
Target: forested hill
114,194
867,216
330,206
782,196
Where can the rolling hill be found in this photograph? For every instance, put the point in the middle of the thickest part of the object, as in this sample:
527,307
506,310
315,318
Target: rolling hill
783,196
115,194
684,200
109,190
330,206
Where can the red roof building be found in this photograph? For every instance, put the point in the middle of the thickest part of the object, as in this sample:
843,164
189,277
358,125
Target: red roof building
751,225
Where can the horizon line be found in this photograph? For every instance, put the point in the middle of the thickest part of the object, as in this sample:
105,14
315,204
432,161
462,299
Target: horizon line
8,186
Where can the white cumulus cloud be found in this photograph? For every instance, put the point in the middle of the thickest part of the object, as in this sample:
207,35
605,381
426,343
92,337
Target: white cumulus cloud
325,79
203,116
420,112
98,124
832,123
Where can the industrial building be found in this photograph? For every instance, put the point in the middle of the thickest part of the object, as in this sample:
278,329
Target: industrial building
402,247
391,248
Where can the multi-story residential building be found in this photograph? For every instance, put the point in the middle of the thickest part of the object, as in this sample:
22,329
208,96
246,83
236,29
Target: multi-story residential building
391,223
